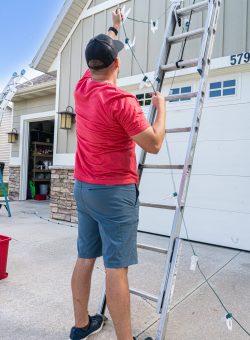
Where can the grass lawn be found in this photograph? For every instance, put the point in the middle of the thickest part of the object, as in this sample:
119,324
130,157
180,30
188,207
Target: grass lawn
1,189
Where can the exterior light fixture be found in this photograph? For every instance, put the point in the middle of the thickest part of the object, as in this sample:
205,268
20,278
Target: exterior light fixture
67,118
12,136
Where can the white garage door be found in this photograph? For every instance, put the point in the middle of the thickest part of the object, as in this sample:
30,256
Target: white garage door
218,204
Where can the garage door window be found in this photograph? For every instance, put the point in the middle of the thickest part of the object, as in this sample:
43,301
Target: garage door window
222,88
144,99
180,90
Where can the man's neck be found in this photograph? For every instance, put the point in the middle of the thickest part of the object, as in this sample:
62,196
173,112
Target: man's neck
100,78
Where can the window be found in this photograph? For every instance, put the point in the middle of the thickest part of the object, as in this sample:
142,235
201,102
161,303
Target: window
180,90
144,99
222,88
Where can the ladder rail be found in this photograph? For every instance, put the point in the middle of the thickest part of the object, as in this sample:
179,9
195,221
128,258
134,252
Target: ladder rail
161,331
207,32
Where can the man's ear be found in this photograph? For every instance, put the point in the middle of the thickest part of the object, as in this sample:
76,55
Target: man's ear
117,62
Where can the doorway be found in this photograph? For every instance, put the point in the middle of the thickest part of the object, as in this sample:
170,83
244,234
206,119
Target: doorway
40,158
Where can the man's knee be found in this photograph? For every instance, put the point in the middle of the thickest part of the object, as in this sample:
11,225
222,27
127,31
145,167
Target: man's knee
116,273
85,263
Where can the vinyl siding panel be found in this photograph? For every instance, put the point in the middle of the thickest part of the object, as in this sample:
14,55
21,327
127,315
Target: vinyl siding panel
248,26
37,105
155,40
233,36
5,127
141,48
235,26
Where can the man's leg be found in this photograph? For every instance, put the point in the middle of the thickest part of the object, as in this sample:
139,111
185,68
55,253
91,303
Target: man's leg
118,301
80,283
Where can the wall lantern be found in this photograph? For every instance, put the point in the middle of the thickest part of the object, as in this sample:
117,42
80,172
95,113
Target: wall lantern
12,136
67,118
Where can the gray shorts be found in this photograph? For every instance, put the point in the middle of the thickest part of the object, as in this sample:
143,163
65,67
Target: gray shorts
107,222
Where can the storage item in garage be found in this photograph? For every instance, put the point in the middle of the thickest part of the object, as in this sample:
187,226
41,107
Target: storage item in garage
43,189
40,197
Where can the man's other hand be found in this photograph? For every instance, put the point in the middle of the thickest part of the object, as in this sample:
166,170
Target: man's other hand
158,101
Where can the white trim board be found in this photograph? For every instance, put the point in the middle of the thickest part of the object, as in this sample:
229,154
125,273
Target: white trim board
101,7
64,159
216,64
57,105
15,161
24,146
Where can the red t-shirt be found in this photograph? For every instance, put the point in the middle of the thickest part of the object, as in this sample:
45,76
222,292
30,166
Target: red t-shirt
106,118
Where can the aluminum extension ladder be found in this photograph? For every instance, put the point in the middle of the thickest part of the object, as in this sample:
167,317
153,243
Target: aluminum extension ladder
9,91
207,33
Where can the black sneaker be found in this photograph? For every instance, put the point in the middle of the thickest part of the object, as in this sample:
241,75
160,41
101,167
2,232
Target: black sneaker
95,325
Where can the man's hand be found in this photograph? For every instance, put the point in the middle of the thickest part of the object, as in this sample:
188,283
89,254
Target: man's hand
117,18
158,101
151,139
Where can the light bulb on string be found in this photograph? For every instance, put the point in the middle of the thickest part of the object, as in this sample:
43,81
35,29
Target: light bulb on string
194,261
154,25
128,44
228,319
144,83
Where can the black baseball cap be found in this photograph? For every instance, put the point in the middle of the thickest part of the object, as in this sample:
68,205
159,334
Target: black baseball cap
104,49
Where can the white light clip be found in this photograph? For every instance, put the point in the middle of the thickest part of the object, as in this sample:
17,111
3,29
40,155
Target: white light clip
229,321
124,13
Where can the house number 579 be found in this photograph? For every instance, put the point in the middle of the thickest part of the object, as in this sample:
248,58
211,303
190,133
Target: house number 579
241,58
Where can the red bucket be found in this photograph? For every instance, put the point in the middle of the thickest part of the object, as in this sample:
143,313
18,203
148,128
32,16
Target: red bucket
4,246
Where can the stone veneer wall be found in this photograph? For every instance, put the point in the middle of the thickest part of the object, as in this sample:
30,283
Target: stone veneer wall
14,182
62,203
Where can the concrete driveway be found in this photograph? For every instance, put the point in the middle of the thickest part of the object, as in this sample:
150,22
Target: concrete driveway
35,300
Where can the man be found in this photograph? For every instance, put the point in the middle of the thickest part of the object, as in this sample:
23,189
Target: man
109,122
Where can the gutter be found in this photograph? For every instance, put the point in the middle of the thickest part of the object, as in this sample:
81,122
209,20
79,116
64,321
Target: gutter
50,85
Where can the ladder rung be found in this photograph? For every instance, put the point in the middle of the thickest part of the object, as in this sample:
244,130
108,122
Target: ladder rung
152,248
158,166
143,294
180,65
178,130
187,35
181,96
200,6
159,206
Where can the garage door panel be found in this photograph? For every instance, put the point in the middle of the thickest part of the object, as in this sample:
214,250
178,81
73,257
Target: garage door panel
220,192
218,227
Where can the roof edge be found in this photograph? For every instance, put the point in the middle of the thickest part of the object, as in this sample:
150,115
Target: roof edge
36,88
